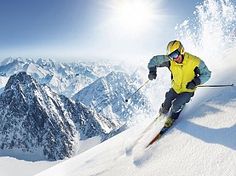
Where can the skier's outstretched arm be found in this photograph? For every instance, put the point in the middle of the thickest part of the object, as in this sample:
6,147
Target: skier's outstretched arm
157,61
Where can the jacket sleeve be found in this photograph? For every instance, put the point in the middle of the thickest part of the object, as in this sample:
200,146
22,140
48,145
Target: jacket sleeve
159,61
204,72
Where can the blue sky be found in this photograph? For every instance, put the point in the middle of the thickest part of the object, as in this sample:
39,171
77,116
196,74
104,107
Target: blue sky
85,28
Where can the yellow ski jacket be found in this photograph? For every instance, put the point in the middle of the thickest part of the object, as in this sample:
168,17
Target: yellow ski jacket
183,73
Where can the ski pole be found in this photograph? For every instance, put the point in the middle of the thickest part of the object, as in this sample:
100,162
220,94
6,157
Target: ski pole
220,85
126,100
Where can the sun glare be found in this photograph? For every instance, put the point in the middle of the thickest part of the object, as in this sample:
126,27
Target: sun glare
133,14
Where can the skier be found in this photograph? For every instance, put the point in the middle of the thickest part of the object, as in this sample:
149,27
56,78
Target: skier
187,72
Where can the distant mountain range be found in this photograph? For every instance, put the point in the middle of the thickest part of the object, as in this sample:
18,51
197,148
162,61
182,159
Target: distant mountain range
63,78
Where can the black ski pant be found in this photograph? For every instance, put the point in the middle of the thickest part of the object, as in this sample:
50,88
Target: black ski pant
175,102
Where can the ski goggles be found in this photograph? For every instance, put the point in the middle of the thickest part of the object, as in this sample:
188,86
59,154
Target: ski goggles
174,55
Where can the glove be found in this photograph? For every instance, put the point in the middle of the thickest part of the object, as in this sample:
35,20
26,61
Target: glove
192,84
152,73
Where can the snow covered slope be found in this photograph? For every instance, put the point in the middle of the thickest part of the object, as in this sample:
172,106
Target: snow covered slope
201,143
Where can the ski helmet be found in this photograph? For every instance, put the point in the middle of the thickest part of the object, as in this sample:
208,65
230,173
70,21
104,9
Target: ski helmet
173,46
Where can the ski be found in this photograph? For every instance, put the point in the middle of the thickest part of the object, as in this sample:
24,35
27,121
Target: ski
159,135
129,149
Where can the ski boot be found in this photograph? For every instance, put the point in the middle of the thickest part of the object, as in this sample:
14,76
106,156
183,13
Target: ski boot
169,122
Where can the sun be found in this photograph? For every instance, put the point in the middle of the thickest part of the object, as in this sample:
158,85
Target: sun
133,14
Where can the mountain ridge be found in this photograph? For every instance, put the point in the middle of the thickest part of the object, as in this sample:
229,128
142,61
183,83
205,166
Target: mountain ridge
34,117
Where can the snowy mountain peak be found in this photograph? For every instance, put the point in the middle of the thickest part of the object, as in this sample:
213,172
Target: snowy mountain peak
35,120
27,109
107,96
20,78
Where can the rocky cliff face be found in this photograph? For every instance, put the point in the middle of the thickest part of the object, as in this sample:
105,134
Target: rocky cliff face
34,118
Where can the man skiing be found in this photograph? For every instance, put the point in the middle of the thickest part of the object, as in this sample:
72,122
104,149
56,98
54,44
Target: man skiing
187,72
